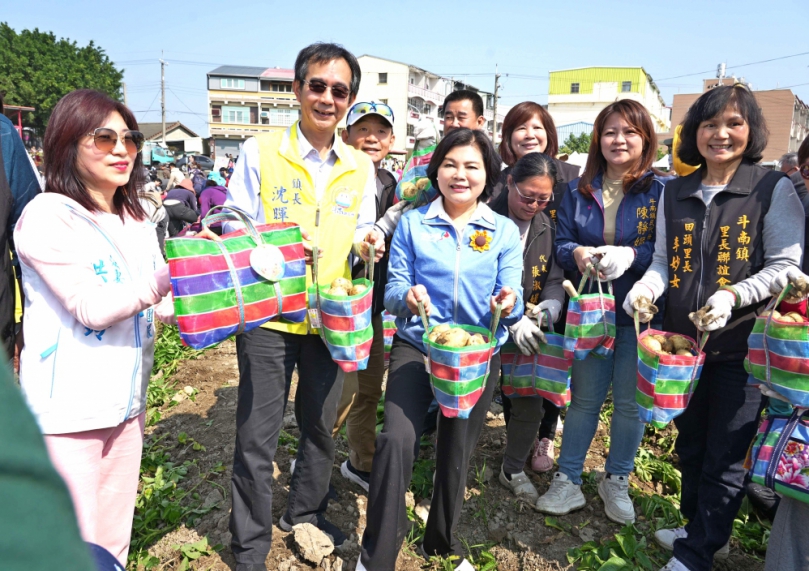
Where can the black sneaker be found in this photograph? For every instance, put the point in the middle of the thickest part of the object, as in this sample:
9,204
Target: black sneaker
324,525
251,567
362,479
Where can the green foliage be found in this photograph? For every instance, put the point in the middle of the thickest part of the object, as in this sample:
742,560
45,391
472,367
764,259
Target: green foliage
576,144
193,551
479,556
422,482
37,69
752,533
660,512
169,352
649,467
625,551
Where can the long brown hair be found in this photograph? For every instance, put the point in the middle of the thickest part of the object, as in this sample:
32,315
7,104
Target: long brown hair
516,116
78,113
638,117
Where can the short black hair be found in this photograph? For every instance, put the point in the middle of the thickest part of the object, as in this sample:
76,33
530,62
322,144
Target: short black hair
709,105
210,182
803,151
321,52
461,138
531,165
465,95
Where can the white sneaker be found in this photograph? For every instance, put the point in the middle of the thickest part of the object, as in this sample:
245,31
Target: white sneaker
674,564
665,538
562,497
614,490
465,566
560,426
520,486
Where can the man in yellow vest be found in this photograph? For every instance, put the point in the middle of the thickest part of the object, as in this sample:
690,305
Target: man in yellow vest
308,176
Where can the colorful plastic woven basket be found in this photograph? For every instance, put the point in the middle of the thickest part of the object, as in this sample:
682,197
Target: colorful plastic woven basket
779,455
590,325
389,326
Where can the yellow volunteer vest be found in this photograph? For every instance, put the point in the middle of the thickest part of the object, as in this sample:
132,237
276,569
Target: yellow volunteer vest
288,195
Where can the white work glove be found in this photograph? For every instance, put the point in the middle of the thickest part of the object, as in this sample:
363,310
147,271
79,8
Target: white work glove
768,392
799,281
641,299
552,306
527,335
615,260
720,304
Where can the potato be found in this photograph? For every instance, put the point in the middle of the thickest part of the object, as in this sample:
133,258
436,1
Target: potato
337,291
680,343
796,317
438,330
477,339
660,338
357,289
684,352
422,183
343,283
668,346
652,344
409,191
454,337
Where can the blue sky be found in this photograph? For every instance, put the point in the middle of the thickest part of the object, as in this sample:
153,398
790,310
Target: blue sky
460,39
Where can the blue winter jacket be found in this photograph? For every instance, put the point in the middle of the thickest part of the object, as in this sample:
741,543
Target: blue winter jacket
460,280
580,222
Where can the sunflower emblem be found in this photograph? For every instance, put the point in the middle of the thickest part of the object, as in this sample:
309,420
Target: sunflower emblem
480,240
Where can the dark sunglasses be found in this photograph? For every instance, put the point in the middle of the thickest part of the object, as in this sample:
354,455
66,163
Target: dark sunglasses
106,139
804,170
337,91
527,200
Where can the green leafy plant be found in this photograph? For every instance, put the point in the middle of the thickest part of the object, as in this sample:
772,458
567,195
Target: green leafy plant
169,353
659,512
422,482
479,556
649,467
625,551
752,532
192,551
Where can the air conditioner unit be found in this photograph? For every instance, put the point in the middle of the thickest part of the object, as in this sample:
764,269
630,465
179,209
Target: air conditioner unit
265,113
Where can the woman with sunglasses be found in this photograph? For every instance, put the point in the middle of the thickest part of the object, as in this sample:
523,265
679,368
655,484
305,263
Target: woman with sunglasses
94,280
608,217
530,190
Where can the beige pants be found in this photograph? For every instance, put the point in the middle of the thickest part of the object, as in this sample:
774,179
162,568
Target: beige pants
357,408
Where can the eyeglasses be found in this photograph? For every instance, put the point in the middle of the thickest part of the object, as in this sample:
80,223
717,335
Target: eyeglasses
106,139
804,170
337,91
528,200
363,108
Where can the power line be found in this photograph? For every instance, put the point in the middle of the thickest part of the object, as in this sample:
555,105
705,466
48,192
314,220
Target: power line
736,66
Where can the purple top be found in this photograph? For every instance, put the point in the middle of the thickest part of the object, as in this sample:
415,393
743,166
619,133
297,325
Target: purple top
210,197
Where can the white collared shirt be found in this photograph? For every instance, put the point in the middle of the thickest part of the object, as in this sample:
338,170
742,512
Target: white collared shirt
436,210
245,184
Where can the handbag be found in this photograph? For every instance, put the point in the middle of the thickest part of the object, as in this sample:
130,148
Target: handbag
217,289
778,355
458,374
546,374
779,455
666,382
590,323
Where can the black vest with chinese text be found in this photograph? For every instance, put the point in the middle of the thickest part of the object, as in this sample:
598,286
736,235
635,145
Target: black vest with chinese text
715,246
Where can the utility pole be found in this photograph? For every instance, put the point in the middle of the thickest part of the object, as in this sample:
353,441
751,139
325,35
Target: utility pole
163,95
125,102
494,111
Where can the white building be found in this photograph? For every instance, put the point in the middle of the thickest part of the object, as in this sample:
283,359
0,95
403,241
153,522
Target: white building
578,95
413,94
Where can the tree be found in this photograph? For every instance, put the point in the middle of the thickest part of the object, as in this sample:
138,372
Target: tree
576,144
37,69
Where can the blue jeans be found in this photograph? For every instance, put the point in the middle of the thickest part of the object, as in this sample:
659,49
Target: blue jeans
590,382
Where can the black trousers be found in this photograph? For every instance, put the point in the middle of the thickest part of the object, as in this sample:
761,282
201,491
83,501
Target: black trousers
550,418
407,398
715,432
266,361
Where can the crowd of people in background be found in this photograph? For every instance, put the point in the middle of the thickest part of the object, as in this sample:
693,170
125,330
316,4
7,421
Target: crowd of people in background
506,227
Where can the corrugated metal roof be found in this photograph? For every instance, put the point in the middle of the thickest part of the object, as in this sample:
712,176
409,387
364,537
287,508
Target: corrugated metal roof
240,70
154,130
278,73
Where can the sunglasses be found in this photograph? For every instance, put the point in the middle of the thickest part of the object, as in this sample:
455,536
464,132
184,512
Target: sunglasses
527,200
363,108
337,91
106,139
804,170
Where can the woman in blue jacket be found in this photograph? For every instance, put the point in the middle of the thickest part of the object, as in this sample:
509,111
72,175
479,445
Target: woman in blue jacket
608,216
459,259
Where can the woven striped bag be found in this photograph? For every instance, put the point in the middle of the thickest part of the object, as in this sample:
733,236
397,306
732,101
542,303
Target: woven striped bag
778,355
666,382
458,374
218,293
779,455
546,374
389,327
590,324
344,322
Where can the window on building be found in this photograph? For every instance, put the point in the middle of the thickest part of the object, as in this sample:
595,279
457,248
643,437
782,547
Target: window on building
282,87
232,114
626,86
411,130
231,83
265,85
383,78
216,113
283,116
427,108
574,88
412,80
385,101
415,104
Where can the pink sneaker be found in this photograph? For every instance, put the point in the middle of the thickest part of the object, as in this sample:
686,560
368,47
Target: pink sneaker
542,455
